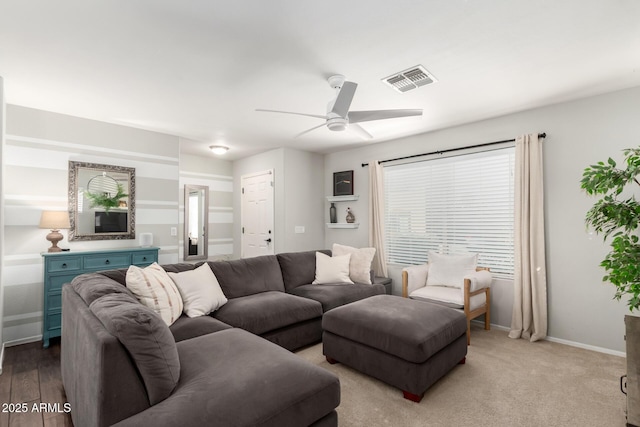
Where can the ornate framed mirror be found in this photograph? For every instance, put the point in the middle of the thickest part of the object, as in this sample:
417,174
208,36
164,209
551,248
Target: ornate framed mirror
196,222
102,202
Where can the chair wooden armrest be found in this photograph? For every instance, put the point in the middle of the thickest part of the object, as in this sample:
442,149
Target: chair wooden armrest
419,273
405,284
483,309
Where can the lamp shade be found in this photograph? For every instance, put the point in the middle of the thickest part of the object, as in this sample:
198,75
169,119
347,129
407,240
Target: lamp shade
54,220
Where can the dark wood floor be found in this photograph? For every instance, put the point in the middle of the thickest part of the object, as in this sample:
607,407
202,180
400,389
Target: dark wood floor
31,375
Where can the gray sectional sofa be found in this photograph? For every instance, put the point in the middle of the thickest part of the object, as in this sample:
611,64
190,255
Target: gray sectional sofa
229,372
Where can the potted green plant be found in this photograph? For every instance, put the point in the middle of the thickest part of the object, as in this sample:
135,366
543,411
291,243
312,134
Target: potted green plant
616,215
106,200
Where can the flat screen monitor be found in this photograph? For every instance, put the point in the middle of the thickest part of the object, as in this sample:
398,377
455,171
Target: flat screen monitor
111,222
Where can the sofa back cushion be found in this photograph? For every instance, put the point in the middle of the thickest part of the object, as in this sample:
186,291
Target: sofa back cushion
120,275
92,286
147,339
298,268
248,276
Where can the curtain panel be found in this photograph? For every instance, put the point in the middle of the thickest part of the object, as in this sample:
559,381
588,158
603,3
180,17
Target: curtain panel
529,318
376,217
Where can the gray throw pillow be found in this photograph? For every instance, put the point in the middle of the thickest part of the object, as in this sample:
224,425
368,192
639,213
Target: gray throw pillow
147,339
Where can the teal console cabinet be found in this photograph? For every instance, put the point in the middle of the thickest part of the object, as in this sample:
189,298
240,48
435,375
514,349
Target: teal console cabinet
62,267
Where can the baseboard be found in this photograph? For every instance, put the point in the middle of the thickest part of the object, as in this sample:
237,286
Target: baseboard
587,347
22,341
564,342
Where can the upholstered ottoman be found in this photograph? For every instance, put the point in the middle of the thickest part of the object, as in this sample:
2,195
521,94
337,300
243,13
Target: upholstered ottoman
406,343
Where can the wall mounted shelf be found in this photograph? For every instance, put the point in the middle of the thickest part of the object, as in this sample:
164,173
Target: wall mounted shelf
342,198
343,225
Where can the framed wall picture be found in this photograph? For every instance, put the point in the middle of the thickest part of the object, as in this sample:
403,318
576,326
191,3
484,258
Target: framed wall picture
343,183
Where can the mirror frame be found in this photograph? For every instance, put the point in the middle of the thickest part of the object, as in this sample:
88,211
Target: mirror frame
187,189
74,170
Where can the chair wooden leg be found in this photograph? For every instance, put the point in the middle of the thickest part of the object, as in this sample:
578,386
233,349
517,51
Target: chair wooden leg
487,315
468,331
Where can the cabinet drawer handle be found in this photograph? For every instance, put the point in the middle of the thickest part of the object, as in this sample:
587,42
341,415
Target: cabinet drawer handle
106,262
144,258
64,265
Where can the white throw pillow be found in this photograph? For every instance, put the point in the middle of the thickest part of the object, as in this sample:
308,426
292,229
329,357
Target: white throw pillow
360,264
200,290
332,269
153,287
449,270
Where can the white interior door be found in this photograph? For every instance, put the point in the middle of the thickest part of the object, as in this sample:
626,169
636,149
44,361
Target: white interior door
257,214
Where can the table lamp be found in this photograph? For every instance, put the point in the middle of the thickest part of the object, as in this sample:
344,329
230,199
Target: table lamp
54,221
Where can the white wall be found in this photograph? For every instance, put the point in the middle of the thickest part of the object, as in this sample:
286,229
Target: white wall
298,186
579,133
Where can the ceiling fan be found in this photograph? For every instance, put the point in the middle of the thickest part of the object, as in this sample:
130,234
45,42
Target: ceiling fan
339,118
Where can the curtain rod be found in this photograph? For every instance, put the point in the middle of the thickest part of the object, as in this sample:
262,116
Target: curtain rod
540,135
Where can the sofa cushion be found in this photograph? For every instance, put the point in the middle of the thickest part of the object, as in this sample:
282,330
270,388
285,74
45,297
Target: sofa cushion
200,291
332,269
450,270
334,295
147,339
267,311
92,286
234,378
411,330
248,276
360,262
154,288
298,268
450,297
189,327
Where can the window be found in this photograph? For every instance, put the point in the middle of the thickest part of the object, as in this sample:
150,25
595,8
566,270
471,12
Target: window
451,205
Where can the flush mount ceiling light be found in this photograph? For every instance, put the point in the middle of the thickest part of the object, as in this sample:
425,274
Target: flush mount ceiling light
218,149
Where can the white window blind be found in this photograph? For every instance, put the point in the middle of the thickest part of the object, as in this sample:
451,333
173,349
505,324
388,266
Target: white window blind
452,205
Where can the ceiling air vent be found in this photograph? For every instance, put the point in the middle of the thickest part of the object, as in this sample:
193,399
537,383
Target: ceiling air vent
412,78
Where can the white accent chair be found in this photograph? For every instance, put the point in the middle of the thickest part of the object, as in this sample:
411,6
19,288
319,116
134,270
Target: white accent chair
470,291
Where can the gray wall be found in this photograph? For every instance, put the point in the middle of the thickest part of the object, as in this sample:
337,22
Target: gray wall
38,147
303,182
216,174
298,184
579,133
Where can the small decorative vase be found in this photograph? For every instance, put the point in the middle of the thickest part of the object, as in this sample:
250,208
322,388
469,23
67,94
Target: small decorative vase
350,217
333,215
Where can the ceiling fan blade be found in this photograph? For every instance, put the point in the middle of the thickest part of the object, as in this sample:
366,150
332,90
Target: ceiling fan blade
367,116
359,130
344,98
309,130
290,112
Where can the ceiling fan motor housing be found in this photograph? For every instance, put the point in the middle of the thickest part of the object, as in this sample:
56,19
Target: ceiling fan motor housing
337,123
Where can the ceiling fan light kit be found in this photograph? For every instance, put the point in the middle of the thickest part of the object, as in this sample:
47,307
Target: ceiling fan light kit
339,118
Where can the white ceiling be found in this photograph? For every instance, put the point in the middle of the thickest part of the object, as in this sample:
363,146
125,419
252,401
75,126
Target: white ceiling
199,68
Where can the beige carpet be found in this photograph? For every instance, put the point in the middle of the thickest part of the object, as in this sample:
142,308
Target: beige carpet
505,382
